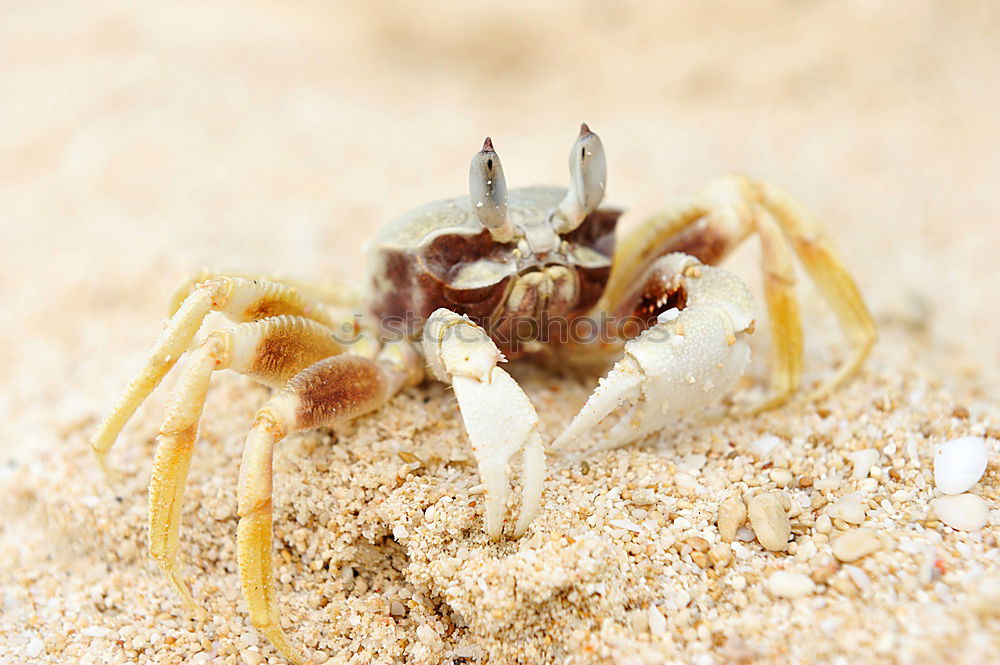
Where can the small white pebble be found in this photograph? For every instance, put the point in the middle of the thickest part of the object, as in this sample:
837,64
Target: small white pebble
399,532
625,524
863,461
849,509
96,631
965,512
823,524
827,484
784,584
644,496
764,446
856,544
959,464
34,648
251,657
781,477
657,622
859,577
427,635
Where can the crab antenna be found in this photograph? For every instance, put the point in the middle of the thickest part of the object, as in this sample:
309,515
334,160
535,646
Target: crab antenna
488,193
588,178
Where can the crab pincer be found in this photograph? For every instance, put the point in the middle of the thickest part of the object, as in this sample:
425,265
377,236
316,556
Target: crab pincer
692,353
498,416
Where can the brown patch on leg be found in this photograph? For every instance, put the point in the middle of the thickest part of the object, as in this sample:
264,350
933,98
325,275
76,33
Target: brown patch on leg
267,307
703,241
287,347
336,389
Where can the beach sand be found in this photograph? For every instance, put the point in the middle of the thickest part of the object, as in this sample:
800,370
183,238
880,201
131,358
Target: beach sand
141,142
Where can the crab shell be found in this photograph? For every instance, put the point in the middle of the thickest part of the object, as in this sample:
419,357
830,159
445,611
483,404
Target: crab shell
441,255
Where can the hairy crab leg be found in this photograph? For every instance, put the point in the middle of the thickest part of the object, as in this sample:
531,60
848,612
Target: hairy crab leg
271,351
328,392
335,294
687,359
824,264
239,299
498,416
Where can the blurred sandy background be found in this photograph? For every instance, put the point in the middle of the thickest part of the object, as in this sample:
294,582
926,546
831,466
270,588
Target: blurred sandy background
140,141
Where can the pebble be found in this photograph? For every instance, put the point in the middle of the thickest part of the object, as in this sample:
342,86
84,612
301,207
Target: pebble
863,461
965,512
644,496
657,622
732,515
720,555
764,446
823,524
859,577
781,477
34,649
784,584
959,464
251,657
769,521
856,544
427,635
96,631
849,508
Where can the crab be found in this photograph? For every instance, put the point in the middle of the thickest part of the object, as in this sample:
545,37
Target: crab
458,286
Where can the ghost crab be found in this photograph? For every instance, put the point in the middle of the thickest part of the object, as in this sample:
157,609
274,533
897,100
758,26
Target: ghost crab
469,270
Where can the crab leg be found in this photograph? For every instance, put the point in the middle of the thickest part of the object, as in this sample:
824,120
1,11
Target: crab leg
498,416
328,392
711,223
819,256
687,359
272,351
783,310
335,294
238,298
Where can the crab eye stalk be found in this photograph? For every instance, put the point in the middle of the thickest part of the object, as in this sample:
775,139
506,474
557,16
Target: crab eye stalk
588,177
488,193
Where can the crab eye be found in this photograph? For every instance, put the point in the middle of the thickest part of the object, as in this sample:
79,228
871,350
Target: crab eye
588,169
588,178
488,193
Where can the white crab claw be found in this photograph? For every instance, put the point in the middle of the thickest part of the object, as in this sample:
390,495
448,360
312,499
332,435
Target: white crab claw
680,364
622,384
501,421
498,416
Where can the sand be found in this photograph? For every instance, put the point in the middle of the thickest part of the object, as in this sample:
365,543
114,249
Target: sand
141,143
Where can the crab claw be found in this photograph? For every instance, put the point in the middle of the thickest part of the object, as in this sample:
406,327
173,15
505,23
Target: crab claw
501,421
498,416
687,359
